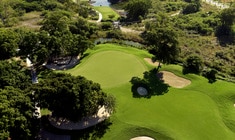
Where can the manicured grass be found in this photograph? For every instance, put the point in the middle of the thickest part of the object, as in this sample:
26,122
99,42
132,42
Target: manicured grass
200,111
106,12
111,67
45,111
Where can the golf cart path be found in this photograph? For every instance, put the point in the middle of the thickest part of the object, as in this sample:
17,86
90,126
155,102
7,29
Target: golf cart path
100,16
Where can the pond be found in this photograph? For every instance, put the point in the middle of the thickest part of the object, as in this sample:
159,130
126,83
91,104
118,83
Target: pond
100,3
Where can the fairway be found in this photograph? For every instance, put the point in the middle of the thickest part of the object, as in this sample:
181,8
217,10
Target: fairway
106,11
199,111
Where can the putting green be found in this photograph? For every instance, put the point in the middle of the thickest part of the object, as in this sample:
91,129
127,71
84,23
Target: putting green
111,68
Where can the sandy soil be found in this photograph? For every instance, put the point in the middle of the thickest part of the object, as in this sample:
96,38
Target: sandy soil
169,77
174,80
65,124
142,138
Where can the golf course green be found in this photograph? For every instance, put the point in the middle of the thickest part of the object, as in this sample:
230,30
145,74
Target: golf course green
199,111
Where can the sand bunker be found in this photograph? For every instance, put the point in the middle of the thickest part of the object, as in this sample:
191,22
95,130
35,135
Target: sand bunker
173,80
142,138
142,91
169,77
149,60
65,124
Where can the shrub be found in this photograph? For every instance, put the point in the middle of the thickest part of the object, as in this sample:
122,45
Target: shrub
106,25
210,75
191,8
114,34
193,64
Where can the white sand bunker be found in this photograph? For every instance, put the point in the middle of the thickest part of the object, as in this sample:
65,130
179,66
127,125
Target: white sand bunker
142,91
142,138
174,80
150,61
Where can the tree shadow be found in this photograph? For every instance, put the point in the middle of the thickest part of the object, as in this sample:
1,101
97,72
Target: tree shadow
152,81
94,132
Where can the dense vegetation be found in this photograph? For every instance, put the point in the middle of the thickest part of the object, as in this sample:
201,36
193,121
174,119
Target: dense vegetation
70,97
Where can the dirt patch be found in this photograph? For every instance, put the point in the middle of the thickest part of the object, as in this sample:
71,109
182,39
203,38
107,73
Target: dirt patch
150,61
128,30
173,80
142,138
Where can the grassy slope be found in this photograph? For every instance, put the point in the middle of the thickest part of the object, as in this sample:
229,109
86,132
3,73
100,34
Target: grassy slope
199,111
106,11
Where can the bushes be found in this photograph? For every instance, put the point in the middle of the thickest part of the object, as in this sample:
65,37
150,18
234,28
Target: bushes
191,8
193,64
106,25
114,34
210,75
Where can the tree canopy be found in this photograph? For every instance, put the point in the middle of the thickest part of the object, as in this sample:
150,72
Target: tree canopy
137,9
15,115
8,43
163,44
71,97
12,73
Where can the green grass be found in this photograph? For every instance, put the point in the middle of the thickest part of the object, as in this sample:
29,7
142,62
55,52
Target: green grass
45,111
119,67
200,111
106,11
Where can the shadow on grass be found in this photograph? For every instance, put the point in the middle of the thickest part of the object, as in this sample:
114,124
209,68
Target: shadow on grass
94,132
152,82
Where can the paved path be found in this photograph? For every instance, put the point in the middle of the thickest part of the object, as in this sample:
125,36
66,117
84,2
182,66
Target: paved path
100,16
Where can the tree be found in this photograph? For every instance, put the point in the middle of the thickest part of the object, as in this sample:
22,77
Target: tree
227,20
163,44
35,45
8,43
193,64
16,114
227,16
192,7
137,9
13,74
71,97
6,11
82,27
56,21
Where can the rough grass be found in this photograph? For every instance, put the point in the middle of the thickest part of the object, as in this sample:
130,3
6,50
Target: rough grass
106,11
199,111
